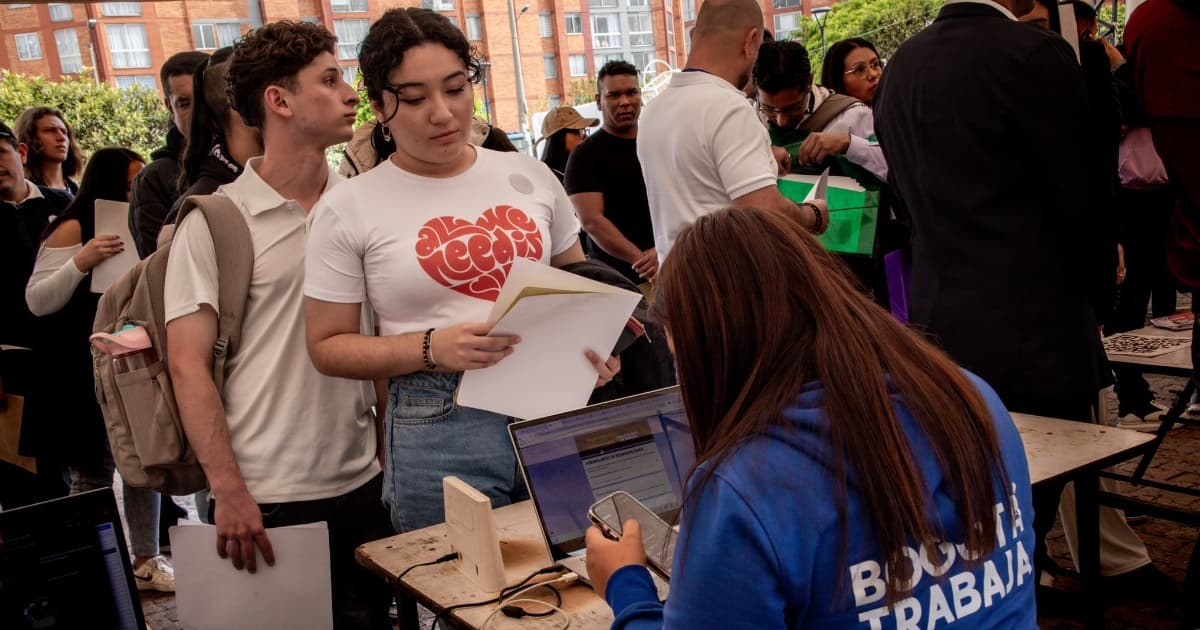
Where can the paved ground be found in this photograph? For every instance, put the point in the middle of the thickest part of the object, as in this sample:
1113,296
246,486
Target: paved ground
1170,544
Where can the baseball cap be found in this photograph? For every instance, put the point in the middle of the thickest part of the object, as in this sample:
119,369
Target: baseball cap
6,132
565,118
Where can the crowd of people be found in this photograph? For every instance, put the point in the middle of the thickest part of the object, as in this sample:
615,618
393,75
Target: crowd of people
845,461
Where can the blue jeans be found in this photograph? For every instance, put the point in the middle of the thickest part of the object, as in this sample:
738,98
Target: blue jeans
429,437
142,505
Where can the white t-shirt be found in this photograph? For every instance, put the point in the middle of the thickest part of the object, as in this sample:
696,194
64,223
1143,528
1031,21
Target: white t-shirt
701,146
434,252
297,435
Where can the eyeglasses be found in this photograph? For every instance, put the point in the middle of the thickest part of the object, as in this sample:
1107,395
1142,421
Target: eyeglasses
799,108
861,68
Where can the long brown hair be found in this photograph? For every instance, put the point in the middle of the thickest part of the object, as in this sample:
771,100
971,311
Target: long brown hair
756,308
26,125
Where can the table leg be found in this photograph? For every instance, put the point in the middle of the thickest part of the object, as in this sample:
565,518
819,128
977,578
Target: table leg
1087,509
406,609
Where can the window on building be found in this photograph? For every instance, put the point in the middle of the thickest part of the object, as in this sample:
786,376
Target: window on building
574,24
453,20
689,10
69,57
350,34
599,60
348,6
551,63
555,100
787,25
641,32
29,46
60,12
546,24
216,35
438,5
127,45
19,6
785,4
144,80
603,4
643,59
639,4
474,28
350,75
606,30
578,65
120,9
670,32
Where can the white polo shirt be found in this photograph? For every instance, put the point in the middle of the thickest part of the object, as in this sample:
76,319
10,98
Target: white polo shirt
701,146
297,434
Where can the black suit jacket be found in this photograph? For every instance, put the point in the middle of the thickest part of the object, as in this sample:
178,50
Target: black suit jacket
985,125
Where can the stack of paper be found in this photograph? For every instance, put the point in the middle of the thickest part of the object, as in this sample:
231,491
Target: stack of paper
559,316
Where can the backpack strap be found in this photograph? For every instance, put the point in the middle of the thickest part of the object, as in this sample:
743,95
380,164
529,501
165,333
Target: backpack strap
831,108
235,265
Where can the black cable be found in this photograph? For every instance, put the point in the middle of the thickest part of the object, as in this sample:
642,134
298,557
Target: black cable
516,612
555,568
446,558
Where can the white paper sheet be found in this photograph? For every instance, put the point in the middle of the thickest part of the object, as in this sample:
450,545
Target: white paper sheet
295,593
1070,31
112,217
547,373
525,274
818,191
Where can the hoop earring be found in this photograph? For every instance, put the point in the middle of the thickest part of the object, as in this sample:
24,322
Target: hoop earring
387,133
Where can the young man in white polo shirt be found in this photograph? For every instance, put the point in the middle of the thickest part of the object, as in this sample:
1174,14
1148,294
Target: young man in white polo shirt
701,145
282,444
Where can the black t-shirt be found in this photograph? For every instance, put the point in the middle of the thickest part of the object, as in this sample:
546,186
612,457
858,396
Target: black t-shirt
609,165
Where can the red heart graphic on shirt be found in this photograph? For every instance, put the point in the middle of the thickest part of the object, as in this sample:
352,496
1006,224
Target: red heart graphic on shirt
474,258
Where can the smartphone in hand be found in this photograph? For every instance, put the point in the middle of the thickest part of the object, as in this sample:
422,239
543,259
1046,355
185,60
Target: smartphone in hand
658,538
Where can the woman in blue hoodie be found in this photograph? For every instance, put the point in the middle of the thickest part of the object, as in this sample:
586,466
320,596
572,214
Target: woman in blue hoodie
850,474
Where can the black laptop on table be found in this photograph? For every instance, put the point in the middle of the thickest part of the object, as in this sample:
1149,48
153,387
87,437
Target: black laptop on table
641,444
64,565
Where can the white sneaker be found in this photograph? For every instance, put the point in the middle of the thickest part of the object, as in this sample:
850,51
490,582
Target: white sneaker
155,575
1193,409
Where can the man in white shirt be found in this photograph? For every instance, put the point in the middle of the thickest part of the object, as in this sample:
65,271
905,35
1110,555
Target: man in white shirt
701,145
281,444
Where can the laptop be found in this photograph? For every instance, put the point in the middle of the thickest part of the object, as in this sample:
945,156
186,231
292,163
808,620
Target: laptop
641,444
64,564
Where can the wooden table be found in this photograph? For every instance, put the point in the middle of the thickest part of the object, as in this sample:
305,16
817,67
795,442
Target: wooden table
1174,363
1056,449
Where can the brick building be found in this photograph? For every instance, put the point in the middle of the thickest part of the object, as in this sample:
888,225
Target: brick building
562,42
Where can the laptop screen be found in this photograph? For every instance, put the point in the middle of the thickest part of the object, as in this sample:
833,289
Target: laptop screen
641,444
63,564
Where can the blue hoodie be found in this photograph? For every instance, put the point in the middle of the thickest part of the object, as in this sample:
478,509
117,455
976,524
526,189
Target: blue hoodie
760,546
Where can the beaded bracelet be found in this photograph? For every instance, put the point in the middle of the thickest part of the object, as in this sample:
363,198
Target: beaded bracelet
426,355
818,220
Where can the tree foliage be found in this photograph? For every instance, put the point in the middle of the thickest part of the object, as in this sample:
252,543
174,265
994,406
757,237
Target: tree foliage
886,23
99,114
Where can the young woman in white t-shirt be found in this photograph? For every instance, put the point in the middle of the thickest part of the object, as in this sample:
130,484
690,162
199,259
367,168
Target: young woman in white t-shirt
427,238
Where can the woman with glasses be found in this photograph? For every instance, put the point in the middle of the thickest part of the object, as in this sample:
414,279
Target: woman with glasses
426,239
852,67
816,125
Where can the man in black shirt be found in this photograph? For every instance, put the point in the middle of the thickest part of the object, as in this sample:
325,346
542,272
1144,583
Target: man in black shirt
604,180
26,209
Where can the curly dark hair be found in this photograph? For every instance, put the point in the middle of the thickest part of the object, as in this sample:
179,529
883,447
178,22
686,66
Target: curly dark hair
26,128
272,55
615,68
401,29
833,68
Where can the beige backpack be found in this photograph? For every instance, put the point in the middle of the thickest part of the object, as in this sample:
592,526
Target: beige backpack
148,443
